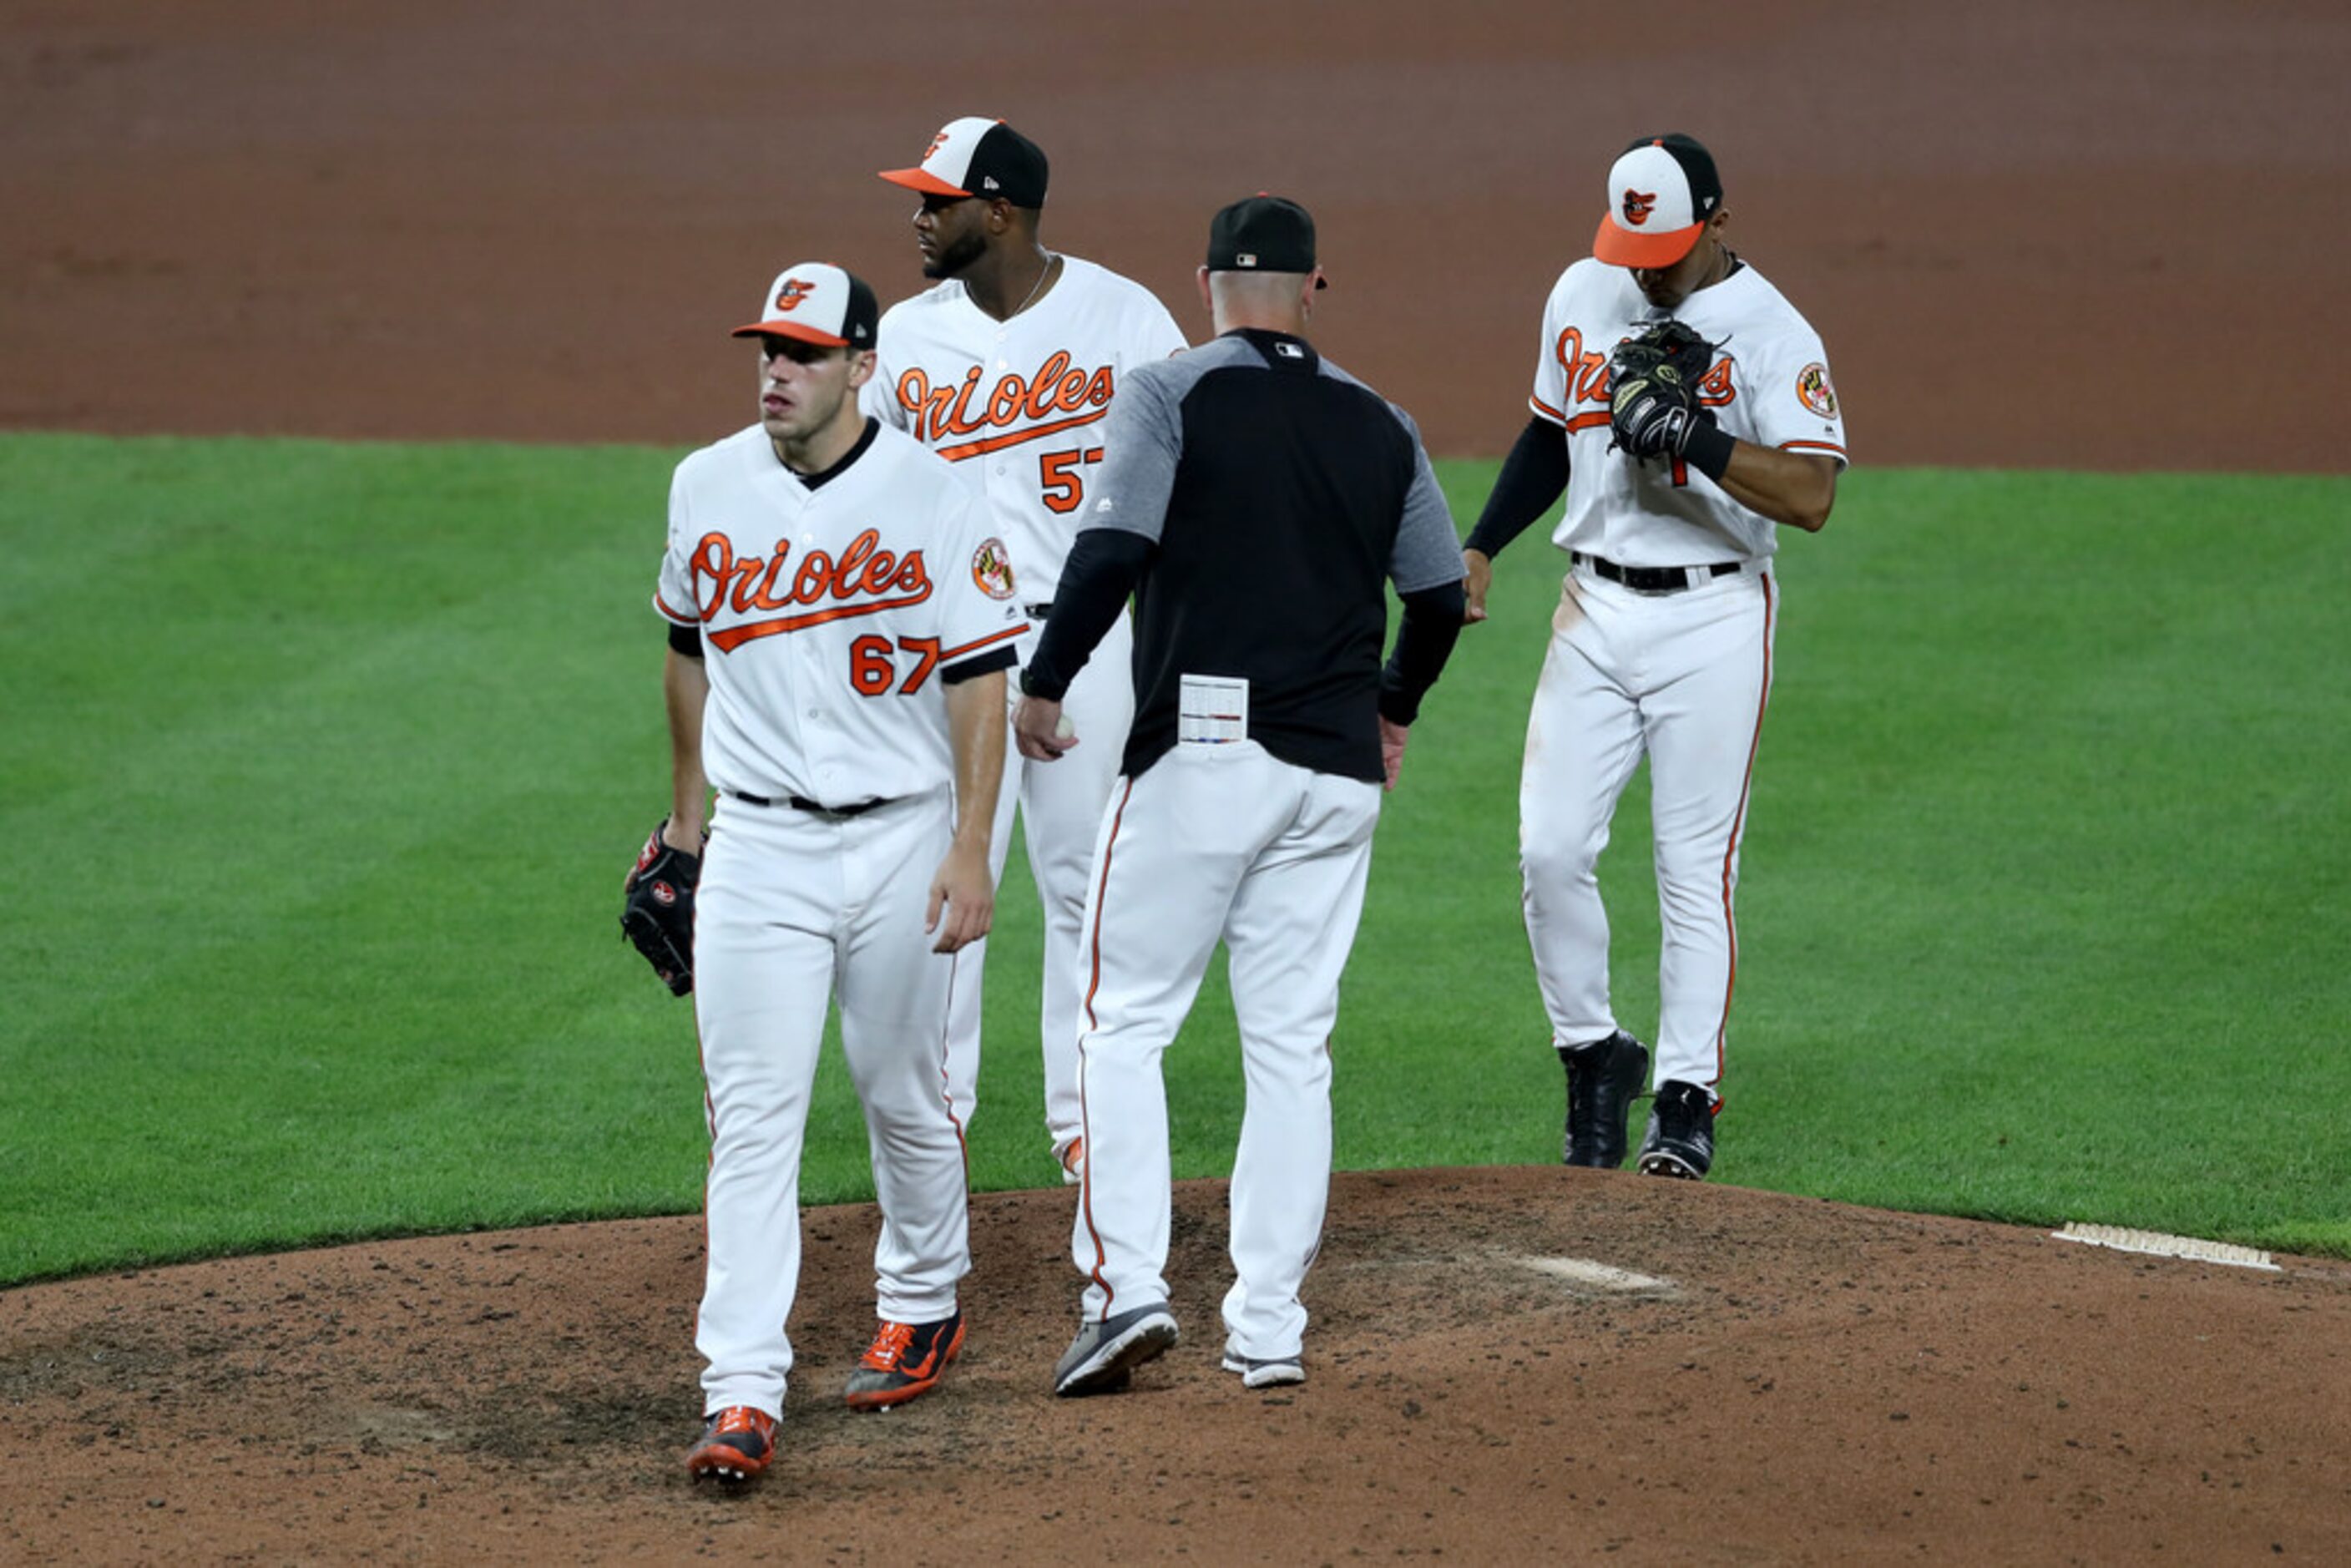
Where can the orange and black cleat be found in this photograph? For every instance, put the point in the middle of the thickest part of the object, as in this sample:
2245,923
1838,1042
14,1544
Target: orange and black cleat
905,1360
736,1444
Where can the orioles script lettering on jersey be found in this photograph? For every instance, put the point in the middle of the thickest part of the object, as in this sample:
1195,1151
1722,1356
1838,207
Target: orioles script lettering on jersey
1017,406
1059,387
1588,379
884,581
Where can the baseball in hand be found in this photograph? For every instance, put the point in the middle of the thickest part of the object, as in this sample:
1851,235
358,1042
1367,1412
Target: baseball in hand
1064,728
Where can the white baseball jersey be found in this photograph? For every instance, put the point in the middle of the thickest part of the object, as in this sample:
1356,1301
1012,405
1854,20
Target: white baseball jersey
827,611
826,614
1769,386
1679,676
1017,405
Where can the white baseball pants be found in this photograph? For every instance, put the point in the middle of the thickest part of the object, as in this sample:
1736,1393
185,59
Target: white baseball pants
795,910
1218,841
1683,678
1060,805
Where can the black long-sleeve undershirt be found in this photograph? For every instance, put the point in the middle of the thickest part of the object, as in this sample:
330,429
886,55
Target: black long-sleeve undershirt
1103,566
1533,477
1432,622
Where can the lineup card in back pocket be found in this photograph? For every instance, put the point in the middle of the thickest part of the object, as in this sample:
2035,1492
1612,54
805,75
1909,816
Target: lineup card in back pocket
1212,710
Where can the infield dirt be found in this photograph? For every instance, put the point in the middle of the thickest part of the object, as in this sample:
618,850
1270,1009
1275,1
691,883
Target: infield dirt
2100,236
1787,1380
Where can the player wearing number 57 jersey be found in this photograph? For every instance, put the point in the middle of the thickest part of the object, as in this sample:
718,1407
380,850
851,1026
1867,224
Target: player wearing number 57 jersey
1007,369
1662,642
840,622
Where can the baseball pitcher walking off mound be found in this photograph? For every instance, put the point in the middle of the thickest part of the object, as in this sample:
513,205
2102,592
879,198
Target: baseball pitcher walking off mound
841,623
1686,408
1257,501
1007,369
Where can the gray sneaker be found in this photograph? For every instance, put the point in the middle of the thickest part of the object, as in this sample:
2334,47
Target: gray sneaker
1104,1354
1267,1374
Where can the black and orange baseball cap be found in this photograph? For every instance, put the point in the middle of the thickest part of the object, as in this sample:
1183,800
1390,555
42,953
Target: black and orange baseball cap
979,157
1660,193
817,303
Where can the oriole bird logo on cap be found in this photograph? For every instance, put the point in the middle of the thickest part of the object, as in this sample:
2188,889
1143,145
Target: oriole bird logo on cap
790,296
1637,205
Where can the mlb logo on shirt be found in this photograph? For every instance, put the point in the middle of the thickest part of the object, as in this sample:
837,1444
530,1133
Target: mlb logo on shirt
1290,350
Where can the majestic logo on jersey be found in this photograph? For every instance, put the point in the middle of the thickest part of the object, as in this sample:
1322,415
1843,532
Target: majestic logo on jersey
1637,205
790,296
866,581
992,569
1812,389
1060,396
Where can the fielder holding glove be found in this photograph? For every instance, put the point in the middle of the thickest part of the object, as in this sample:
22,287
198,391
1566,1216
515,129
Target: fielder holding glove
1684,408
839,624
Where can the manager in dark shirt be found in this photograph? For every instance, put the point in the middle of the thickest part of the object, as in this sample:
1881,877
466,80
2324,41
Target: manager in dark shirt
1256,501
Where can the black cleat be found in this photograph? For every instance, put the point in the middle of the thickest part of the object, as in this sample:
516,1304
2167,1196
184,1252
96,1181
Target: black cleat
1680,1141
1601,1080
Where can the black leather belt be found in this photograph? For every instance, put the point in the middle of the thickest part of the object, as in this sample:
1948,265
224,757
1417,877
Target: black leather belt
1653,579
1039,611
803,803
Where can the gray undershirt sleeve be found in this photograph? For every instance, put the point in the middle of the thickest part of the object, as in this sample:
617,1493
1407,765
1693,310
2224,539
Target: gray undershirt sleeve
1427,550
1141,442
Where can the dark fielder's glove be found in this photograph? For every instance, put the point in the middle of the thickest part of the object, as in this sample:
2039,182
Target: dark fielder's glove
1652,393
1670,343
658,913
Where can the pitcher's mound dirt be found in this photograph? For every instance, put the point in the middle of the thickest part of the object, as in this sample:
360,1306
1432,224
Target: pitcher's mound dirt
1773,1379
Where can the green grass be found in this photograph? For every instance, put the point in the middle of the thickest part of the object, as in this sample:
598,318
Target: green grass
321,764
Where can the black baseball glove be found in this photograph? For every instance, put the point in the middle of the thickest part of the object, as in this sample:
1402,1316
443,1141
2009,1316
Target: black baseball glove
1652,393
658,913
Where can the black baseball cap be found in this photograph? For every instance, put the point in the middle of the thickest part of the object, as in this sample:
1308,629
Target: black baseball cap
818,303
975,156
1263,234
1661,190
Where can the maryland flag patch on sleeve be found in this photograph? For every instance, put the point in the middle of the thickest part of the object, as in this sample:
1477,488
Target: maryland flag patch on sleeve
1812,389
991,568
